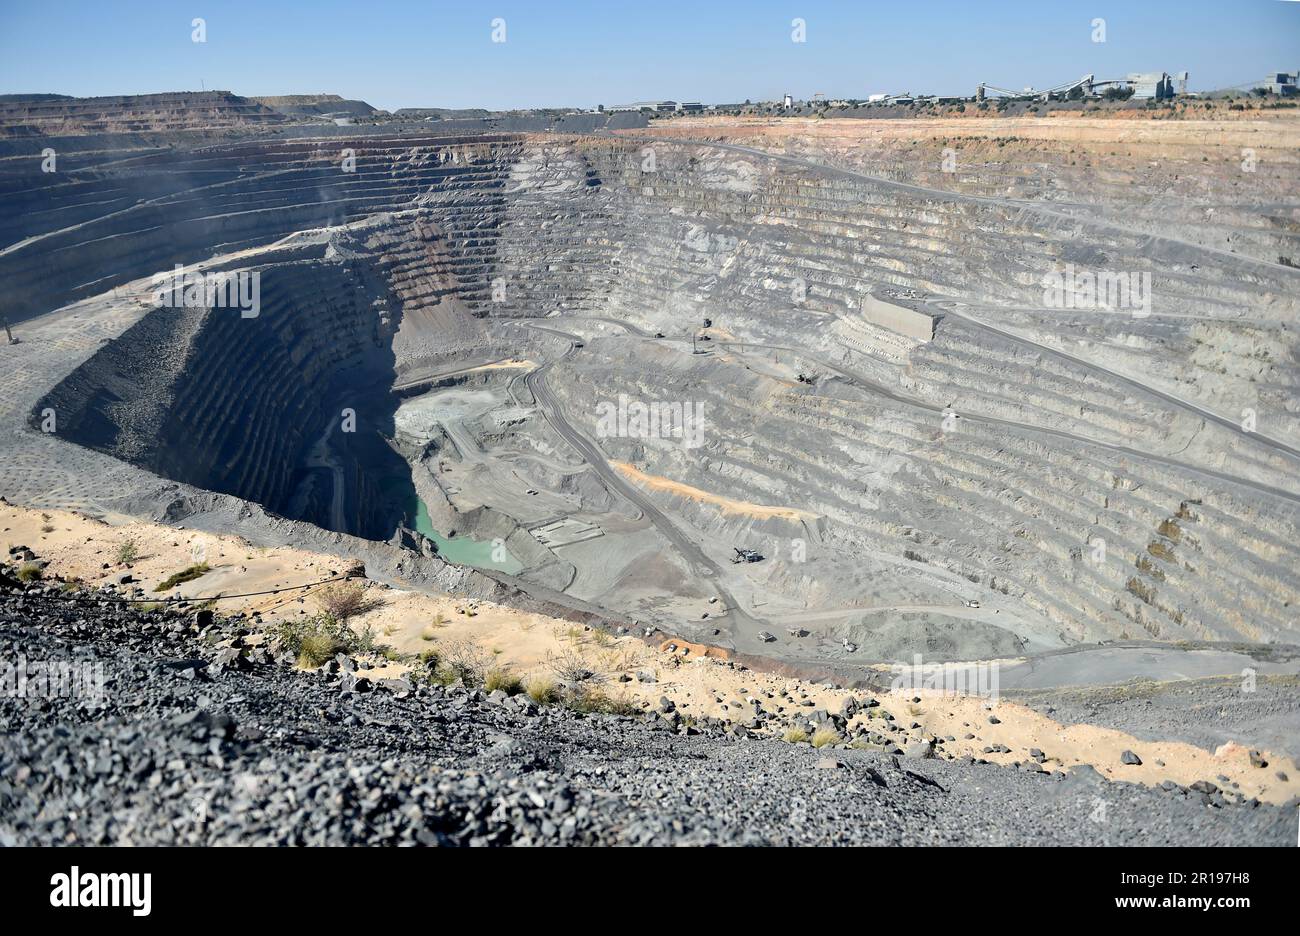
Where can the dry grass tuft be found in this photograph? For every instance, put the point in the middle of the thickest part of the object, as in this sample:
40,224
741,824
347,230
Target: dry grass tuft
823,737
543,690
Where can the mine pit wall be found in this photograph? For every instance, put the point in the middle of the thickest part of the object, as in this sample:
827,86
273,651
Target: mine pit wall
544,241
239,195
844,236
237,404
726,236
559,237
1007,511
1156,175
565,224
44,202
714,237
122,113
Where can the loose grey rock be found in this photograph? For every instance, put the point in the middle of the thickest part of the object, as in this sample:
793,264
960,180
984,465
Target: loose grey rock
264,745
920,749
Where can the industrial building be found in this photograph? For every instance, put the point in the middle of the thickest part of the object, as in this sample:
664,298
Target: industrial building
658,107
1153,86
1283,84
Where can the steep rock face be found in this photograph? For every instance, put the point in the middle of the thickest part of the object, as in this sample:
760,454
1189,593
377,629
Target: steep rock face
1200,171
27,115
77,233
1053,461
233,403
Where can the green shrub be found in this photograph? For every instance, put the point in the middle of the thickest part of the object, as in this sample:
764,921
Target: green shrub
433,672
503,679
317,649
442,676
365,638
794,736
188,574
29,572
314,640
128,551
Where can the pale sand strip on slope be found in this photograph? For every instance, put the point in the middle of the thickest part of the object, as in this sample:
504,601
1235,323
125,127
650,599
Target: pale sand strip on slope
410,621
727,505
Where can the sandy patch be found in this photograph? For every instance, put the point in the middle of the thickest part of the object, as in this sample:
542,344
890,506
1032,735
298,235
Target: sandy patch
727,505
524,363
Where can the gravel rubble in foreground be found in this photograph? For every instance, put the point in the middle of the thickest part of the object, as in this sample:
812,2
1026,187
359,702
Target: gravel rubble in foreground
196,743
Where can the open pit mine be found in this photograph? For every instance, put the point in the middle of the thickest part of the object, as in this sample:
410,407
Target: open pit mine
833,400
597,368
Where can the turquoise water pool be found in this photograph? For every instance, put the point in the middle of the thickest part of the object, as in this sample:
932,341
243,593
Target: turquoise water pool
462,550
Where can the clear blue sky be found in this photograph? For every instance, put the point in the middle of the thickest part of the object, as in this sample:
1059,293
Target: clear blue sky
557,53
